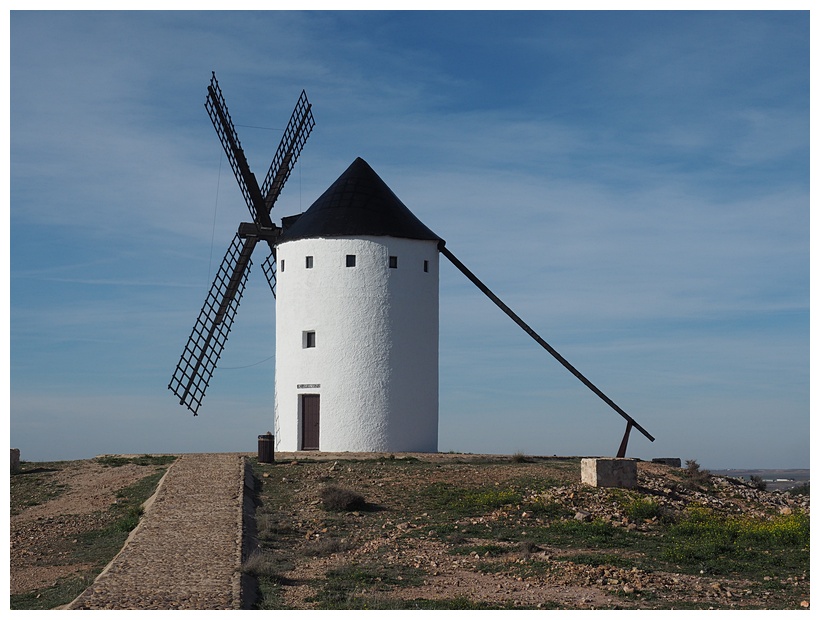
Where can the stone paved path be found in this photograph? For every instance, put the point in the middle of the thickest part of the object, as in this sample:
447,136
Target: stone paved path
186,552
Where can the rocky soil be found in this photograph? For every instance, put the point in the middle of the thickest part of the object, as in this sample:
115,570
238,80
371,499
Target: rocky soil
400,536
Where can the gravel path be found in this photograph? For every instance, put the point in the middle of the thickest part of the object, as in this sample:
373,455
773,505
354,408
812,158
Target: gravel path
186,552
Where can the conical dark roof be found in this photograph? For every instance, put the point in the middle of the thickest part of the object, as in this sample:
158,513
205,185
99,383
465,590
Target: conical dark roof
358,203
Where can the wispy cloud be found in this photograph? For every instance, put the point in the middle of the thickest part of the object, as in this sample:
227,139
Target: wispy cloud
635,185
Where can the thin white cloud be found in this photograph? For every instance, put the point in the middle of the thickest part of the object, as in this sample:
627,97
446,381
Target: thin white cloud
639,196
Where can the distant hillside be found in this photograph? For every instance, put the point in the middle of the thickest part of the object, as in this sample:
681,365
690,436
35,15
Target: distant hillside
776,479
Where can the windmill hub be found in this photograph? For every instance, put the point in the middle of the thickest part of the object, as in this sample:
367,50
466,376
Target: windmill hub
249,230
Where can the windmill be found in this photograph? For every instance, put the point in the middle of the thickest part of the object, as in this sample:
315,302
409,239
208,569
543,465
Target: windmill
210,332
357,310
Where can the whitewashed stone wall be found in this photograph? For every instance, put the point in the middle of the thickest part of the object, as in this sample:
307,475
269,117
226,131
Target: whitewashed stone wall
376,356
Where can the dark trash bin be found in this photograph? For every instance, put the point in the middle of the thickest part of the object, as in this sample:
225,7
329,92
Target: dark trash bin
265,448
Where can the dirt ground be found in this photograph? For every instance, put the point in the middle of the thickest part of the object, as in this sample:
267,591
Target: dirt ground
40,533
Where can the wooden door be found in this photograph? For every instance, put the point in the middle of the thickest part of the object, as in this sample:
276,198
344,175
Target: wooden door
310,421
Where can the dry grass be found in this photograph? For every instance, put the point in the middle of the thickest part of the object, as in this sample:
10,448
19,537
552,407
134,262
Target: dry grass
339,499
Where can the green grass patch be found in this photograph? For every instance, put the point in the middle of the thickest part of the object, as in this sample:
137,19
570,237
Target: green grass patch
593,534
551,510
268,569
642,508
33,484
62,592
144,460
353,586
99,546
270,594
711,543
457,501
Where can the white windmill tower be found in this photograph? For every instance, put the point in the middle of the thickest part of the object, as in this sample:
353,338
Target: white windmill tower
357,310
357,323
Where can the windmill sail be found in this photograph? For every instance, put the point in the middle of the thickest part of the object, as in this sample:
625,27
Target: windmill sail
221,119
269,269
296,134
204,347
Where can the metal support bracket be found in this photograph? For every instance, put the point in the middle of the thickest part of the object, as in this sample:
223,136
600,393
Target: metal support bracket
630,422
625,440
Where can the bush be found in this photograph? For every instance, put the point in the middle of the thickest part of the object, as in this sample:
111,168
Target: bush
802,489
339,499
263,564
695,476
326,546
757,483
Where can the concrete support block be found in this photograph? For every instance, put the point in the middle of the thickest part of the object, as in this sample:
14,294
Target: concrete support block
608,472
15,459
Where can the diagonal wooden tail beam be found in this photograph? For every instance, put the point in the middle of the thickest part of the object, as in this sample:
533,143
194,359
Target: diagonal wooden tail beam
520,322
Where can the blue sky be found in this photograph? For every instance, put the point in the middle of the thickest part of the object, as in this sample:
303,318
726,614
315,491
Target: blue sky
635,185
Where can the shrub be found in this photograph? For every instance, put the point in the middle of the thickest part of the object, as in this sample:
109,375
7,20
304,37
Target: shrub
326,546
802,489
263,564
695,476
758,483
528,547
340,499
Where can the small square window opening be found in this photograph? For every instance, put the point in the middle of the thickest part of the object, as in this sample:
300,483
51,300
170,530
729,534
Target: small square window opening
394,262
308,340
351,260
308,262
